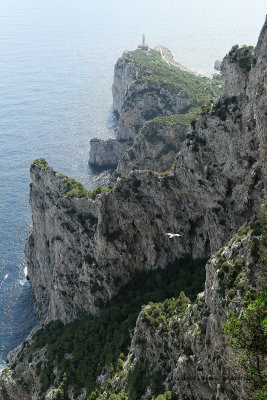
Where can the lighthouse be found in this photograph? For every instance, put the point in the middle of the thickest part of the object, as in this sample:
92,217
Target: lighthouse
143,46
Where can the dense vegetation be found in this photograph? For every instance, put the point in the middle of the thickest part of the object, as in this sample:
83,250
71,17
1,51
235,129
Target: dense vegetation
41,163
246,330
76,189
243,56
95,342
153,69
181,119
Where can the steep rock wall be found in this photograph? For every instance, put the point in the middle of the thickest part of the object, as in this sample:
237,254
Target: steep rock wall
155,147
107,152
125,74
145,101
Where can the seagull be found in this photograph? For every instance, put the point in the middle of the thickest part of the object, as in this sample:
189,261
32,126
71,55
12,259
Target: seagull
171,235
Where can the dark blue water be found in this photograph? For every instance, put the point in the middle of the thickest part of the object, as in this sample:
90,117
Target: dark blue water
56,69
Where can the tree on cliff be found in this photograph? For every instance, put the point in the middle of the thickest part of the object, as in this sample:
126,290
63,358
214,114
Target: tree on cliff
247,332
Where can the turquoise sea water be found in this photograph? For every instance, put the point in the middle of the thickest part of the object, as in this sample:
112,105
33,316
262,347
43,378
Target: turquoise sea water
56,70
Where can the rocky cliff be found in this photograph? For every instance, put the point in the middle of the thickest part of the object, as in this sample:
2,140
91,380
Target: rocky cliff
177,350
85,246
154,147
146,85
81,251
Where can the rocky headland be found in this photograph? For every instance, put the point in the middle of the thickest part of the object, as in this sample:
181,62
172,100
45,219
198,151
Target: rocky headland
94,258
148,85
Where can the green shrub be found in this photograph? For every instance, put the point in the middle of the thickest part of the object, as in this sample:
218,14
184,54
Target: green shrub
220,274
157,383
177,119
226,266
247,332
41,163
241,286
165,396
137,381
159,314
238,263
231,293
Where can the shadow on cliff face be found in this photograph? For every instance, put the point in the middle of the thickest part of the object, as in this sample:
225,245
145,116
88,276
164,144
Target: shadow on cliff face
98,170
96,342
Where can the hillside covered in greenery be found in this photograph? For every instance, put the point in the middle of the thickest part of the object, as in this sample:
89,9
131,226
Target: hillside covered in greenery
155,70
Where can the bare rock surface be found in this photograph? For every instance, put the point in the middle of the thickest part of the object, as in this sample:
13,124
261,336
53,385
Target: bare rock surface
106,153
155,148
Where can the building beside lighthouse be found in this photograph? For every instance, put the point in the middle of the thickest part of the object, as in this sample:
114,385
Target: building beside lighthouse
143,46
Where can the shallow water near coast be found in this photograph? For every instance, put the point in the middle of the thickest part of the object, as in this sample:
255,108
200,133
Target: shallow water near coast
56,69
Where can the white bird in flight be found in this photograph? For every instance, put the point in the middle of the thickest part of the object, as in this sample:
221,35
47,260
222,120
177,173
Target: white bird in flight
171,235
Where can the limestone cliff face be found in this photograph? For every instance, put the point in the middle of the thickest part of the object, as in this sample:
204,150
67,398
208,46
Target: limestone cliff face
125,74
107,152
81,251
155,148
145,101
57,248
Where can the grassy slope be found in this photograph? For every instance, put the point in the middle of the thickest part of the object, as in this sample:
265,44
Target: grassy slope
200,89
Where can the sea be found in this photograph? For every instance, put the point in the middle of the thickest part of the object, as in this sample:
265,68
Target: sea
56,70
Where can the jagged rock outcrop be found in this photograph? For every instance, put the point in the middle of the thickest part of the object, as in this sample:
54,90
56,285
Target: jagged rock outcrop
107,152
237,64
217,65
81,251
11,387
155,147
